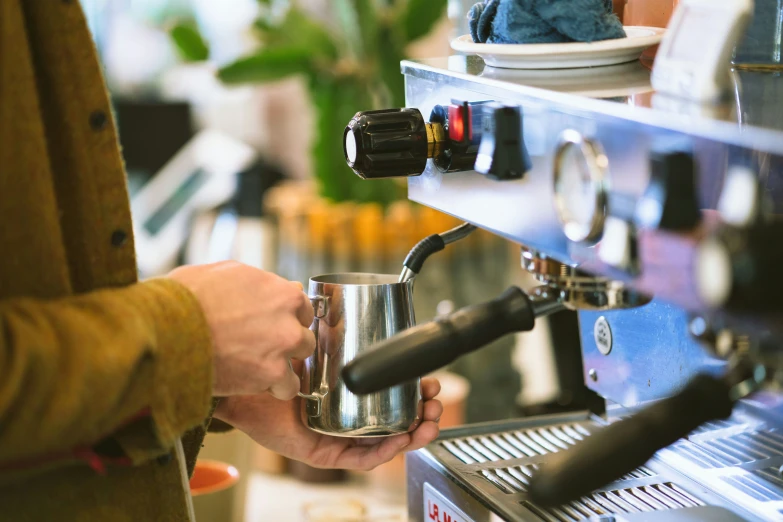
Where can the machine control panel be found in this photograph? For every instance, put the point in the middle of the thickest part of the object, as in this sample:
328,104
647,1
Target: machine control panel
670,201
463,123
581,186
739,268
459,136
390,143
502,155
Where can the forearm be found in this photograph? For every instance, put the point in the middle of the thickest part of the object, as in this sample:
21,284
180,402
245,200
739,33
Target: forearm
79,369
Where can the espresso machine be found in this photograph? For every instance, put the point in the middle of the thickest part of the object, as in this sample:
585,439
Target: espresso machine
659,223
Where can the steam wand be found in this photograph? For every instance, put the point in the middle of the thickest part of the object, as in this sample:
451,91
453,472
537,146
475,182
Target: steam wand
430,245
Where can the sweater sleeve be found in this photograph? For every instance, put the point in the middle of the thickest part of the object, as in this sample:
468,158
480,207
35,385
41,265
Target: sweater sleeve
133,361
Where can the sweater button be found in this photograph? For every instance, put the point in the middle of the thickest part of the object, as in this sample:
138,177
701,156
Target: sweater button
98,120
164,459
118,238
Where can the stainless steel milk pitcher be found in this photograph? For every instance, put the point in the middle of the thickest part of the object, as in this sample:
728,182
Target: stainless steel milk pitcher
353,312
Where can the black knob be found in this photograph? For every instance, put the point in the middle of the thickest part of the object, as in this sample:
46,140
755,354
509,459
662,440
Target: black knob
387,143
502,154
739,268
671,201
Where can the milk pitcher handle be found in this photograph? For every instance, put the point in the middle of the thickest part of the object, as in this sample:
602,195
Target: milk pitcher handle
320,308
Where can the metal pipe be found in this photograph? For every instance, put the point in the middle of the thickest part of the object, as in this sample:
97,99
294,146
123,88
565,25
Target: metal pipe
455,234
406,275
545,300
428,246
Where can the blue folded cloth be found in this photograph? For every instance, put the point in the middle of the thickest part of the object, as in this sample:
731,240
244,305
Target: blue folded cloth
543,21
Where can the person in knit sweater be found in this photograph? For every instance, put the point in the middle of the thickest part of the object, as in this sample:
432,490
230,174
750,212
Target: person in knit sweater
108,384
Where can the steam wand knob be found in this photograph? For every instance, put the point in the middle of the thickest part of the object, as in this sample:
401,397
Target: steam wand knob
391,143
430,245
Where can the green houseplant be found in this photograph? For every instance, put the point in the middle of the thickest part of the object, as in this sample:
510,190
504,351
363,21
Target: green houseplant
353,65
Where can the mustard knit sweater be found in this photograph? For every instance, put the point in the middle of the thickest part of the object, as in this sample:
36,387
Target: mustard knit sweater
90,358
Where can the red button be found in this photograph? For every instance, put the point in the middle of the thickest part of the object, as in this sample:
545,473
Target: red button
459,123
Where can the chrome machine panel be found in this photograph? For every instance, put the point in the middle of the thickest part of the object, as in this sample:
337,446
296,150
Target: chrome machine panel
652,354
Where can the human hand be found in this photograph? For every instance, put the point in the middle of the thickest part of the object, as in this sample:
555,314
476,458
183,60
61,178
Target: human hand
259,322
277,426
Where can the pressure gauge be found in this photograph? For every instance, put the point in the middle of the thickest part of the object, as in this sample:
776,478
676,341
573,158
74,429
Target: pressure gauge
581,186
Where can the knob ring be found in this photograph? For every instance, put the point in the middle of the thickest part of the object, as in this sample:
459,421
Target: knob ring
597,165
358,151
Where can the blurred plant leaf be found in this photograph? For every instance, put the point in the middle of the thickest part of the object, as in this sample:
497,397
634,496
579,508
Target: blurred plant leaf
390,55
367,18
268,65
345,12
330,168
189,43
420,16
373,33
263,25
298,30
336,101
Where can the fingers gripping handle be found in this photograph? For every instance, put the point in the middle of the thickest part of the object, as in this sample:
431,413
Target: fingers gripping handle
428,347
625,445
320,308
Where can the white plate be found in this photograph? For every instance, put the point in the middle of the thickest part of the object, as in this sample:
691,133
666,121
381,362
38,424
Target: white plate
610,81
564,55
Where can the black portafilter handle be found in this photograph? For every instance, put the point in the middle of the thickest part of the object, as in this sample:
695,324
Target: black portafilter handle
430,346
620,448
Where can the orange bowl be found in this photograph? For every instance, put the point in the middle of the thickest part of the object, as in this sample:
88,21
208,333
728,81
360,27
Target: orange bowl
211,476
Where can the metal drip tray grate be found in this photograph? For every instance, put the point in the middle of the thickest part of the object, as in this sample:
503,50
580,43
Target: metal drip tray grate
714,426
656,497
742,448
733,450
516,444
727,464
504,462
756,487
741,465
516,478
510,480
771,475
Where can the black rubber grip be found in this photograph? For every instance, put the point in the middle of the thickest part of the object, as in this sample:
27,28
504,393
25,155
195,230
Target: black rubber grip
388,143
622,447
423,249
428,347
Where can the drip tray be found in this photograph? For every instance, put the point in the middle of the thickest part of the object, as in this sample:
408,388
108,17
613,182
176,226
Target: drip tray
724,471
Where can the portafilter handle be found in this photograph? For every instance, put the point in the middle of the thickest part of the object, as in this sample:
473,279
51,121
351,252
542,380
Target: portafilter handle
623,446
430,346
